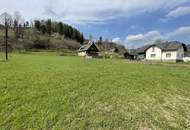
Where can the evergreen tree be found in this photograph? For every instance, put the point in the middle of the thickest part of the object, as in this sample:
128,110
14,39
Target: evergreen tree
70,32
61,29
43,29
67,32
100,40
48,26
74,35
27,24
55,27
37,24
21,31
81,38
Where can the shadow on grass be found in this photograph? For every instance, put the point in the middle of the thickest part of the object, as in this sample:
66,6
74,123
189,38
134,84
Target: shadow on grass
3,60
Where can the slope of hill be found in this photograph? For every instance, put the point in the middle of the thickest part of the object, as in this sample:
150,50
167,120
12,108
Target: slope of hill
188,47
35,40
42,35
47,35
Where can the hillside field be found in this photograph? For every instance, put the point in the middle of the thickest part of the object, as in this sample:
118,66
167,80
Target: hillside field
54,92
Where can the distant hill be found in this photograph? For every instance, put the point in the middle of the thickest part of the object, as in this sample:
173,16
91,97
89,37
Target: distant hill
188,47
41,35
48,35
34,40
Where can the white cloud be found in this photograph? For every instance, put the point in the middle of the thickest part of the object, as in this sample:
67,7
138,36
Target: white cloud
180,11
137,37
135,41
182,31
117,40
85,11
152,35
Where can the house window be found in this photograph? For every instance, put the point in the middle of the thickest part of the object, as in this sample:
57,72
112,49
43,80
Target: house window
168,55
153,49
153,55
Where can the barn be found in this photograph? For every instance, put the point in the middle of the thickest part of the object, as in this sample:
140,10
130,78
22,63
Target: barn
88,49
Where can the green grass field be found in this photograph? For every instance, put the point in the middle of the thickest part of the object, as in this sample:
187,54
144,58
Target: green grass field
71,93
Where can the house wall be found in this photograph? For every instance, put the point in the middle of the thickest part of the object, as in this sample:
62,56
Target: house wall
172,57
154,51
141,56
82,54
180,53
166,55
175,55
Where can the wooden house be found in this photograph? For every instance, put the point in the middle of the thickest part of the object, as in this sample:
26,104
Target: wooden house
88,49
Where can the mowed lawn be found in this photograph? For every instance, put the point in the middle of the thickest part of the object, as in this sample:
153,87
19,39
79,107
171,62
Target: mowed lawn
69,93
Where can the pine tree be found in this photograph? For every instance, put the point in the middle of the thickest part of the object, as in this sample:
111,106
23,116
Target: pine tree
43,29
48,26
81,38
27,24
37,24
61,29
100,40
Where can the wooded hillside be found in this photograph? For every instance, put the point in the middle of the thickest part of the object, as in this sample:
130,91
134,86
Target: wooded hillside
44,35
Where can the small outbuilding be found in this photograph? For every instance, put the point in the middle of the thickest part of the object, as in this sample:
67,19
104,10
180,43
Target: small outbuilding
141,52
88,49
136,54
130,54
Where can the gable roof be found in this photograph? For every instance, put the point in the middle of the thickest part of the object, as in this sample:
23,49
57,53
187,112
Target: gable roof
138,50
169,46
164,46
86,46
142,49
131,52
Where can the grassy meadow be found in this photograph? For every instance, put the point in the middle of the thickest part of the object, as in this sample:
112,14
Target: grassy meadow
70,93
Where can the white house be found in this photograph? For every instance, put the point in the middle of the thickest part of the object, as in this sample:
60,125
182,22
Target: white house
168,51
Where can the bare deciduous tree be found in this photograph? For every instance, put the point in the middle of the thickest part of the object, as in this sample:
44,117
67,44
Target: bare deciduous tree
6,21
18,17
18,21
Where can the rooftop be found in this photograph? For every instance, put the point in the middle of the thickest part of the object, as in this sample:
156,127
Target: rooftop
165,46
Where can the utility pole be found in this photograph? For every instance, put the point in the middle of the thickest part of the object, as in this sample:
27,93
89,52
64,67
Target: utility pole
6,21
6,39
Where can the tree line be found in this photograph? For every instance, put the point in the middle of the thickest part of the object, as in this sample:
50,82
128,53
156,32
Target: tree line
21,30
51,27
17,23
43,34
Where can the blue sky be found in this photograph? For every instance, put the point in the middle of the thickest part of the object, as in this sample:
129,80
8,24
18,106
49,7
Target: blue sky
132,23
